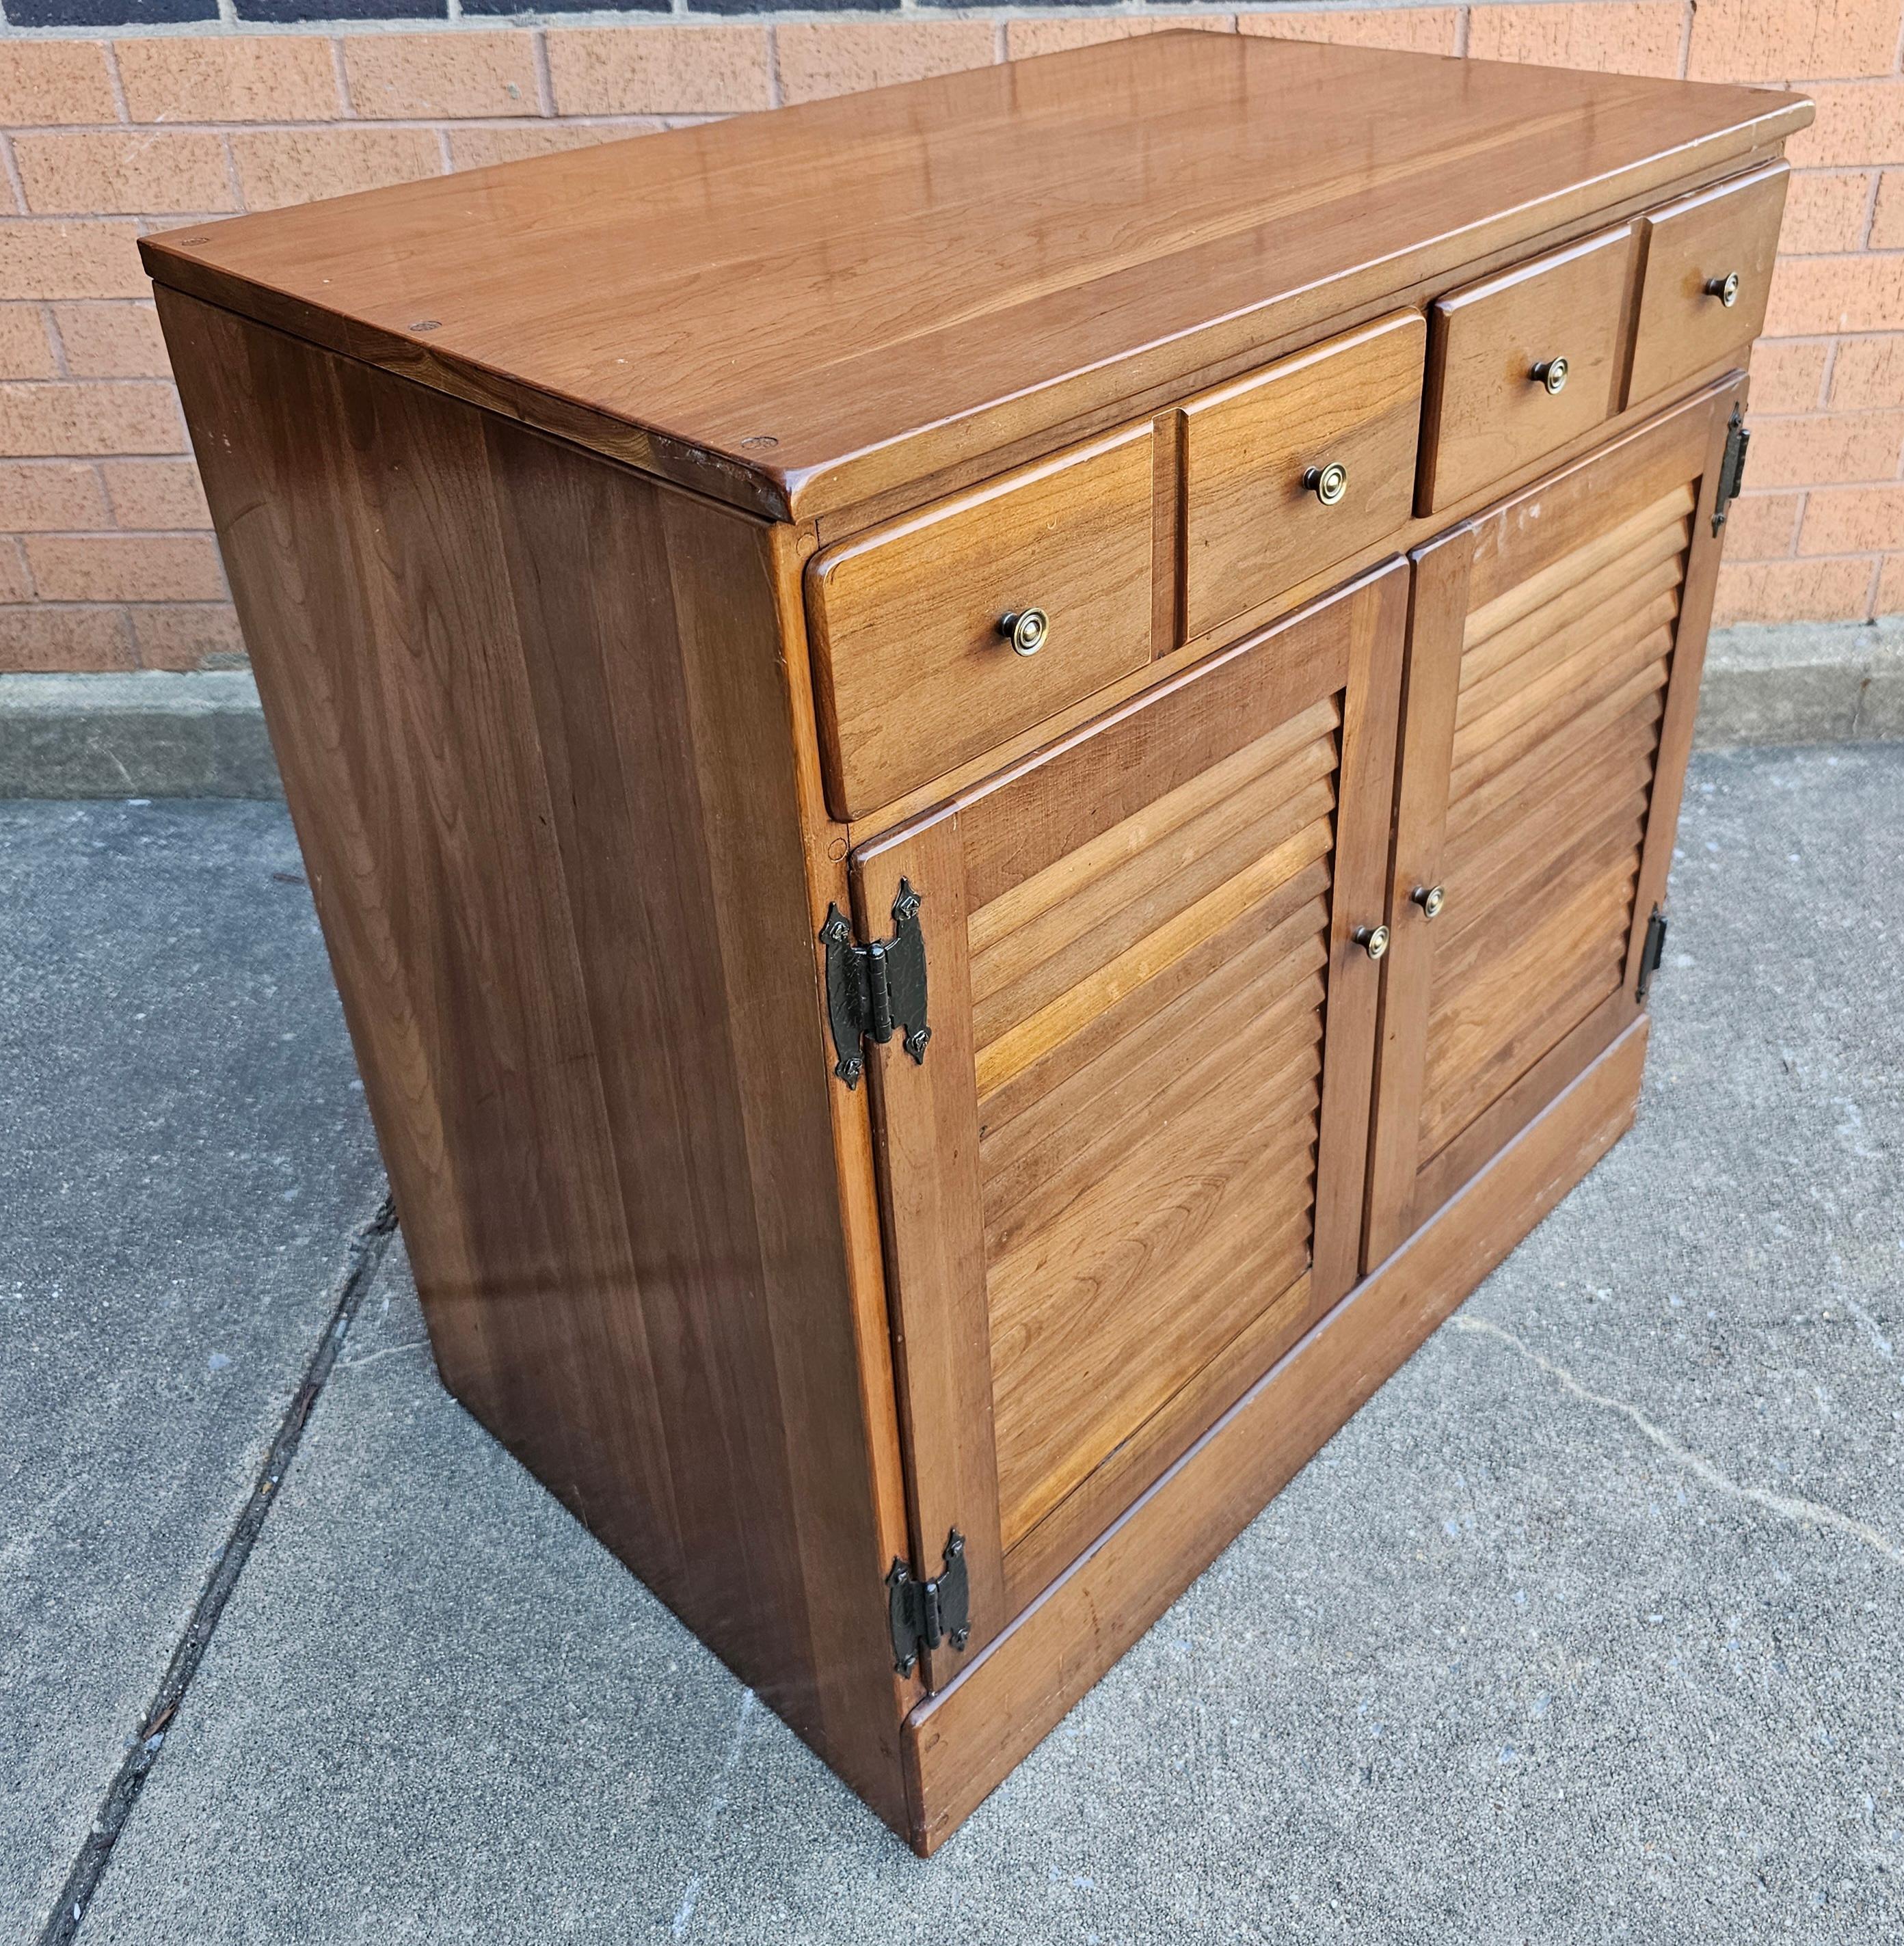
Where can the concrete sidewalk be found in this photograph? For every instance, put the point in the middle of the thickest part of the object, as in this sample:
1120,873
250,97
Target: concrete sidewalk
1587,1628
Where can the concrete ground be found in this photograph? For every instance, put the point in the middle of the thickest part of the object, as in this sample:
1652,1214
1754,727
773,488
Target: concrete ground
1589,1629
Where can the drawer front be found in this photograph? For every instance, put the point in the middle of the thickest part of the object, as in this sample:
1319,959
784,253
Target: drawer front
1127,1174
1708,274
1262,510
913,674
1488,414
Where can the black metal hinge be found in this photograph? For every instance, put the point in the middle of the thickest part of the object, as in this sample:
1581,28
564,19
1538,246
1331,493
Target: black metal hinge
1650,953
1731,467
924,1614
873,990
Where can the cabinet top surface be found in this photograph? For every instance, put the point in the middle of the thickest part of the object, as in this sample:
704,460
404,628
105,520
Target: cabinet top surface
800,309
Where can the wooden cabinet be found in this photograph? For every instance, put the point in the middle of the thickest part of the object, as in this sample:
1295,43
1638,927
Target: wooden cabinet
990,784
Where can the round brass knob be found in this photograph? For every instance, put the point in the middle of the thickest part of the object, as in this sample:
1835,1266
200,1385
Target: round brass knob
1725,288
1328,483
1430,898
1372,939
1552,373
1025,631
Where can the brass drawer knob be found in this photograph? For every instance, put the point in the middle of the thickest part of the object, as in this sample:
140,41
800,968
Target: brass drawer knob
1725,288
1328,483
1372,939
1430,898
1552,373
1025,631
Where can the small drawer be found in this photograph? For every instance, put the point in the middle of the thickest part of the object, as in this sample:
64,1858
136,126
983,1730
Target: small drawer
1295,467
1499,394
1708,274
916,664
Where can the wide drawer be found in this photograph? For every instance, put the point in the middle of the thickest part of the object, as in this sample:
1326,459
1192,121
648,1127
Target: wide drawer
1294,468
1708,274
916,665
1522,362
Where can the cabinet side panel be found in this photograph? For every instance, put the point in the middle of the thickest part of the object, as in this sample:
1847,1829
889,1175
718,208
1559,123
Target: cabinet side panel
535,738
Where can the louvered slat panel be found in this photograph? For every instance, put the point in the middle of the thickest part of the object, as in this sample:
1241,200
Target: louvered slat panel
1562,678
1149,1014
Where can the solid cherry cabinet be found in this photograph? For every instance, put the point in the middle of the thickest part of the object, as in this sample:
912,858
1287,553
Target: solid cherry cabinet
989,771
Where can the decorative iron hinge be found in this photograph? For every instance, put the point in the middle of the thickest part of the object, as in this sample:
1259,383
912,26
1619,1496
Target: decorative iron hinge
1731,467
1650,953
924,1614
873,989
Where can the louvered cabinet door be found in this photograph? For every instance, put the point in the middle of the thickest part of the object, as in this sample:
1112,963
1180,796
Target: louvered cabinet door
1127,1173
1555,647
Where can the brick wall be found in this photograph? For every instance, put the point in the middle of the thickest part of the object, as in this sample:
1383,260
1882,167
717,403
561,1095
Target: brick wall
106,558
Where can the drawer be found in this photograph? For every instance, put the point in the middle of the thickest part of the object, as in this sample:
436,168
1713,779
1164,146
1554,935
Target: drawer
1262,508
914,664
1708,274
1488,414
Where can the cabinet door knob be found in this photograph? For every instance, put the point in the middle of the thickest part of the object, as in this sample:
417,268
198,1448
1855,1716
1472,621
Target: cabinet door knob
1430,898
1552,373
1328,483
1372,939
1725,288
1025,630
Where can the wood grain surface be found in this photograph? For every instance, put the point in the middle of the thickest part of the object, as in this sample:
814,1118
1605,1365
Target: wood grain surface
1487,412
1253,526
1128,1172
913,674
1683,326
554,834
962,1742
797,311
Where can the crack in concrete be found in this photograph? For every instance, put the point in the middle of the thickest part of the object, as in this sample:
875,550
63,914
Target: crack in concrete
370,1244
1786,1506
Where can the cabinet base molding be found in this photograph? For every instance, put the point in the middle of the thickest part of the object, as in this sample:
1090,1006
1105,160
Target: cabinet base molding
961,1744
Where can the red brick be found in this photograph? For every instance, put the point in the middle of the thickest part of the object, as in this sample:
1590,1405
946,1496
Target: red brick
1853,520
43,637
142,172
1422,30
1859,122
44,83
70,259
659,70
186,635
1788,376
277,166
1616,36
457,76
125,567
15,584
1867,374
1813,296
234,78
26,350
1793,590
61,420
112,341
1887,219
1825,212
1890,587
819,58
1792,40
1024,39
1762,526
50,496
1826,448
156,494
